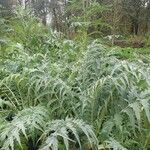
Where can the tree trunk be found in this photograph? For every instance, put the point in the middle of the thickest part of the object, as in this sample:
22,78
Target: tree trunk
56,26
135,26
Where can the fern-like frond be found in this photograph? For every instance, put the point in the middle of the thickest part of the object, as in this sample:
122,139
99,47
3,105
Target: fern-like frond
22,125
64,129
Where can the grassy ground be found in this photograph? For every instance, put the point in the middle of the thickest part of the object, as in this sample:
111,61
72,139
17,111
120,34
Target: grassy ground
131,53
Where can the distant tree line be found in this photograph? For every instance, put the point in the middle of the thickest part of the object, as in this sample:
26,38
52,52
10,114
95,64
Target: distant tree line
96,17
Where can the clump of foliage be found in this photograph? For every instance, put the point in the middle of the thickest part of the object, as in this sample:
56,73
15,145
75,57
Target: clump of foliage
62,94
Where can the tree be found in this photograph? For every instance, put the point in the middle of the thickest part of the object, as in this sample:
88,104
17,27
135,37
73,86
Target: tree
133,10
6,7
116,17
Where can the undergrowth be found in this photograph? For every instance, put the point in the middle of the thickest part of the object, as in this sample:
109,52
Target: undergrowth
63,94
